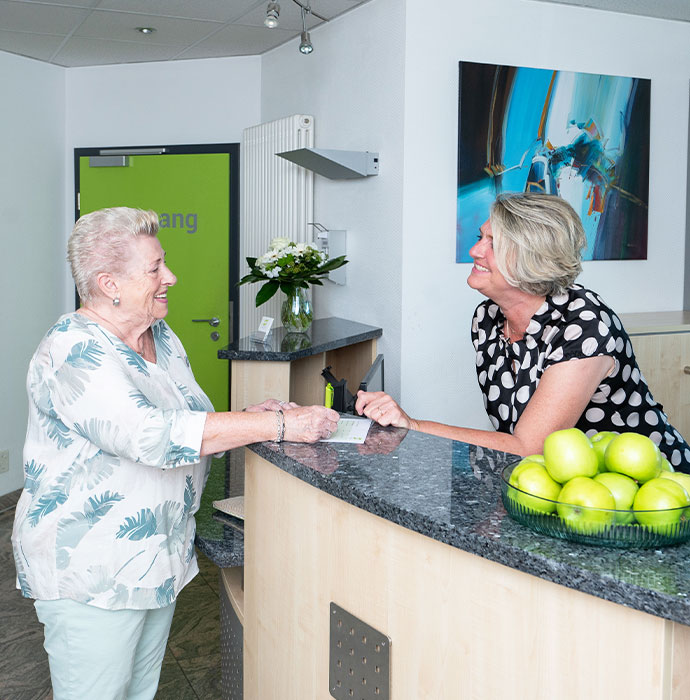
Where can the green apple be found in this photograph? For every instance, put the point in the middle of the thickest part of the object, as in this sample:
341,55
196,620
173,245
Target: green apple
523,464
623,490
634,455
666,466
569,453
679,478
660,504
600,441
536,490
534,458
585,505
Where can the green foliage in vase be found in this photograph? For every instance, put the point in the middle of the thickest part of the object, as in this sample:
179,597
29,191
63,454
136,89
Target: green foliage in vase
287,266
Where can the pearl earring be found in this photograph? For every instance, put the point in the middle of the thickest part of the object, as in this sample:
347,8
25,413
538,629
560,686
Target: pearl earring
116,301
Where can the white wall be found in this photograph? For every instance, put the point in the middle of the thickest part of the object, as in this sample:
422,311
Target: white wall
166,103
353,86
520,32
32,207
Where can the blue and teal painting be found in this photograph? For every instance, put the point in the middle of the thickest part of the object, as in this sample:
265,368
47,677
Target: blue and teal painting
581,136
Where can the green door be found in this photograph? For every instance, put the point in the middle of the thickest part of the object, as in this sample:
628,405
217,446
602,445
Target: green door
192,195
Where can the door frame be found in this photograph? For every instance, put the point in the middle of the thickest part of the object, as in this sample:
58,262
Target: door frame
233,150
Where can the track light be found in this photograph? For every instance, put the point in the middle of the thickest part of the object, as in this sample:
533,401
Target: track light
305,46
272,14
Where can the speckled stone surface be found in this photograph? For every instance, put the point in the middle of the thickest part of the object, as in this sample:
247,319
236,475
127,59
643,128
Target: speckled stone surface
226,550
450,491
219,536
325,334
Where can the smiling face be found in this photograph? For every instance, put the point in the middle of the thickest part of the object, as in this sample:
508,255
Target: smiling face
143,289
485,276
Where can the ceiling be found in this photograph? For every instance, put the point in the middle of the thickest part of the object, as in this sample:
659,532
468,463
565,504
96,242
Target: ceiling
74,33
662,9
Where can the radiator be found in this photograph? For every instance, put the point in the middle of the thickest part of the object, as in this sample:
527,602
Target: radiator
277,199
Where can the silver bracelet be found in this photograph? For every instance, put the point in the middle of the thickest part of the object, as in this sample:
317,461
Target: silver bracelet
280,417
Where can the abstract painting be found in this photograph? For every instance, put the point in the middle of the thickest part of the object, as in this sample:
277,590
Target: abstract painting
581,136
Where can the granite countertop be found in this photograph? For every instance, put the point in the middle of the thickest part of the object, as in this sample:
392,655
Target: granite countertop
325,334
450,491
219,536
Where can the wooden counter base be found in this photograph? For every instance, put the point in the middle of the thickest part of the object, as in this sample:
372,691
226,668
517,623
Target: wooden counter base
299,380
461,626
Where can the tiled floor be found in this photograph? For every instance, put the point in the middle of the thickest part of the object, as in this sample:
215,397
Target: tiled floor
191,668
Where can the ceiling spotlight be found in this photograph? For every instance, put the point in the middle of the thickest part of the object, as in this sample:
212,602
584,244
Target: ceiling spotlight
305,46
272,14
146,30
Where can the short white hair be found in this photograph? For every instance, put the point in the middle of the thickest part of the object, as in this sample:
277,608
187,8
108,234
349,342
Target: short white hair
100,242
538,241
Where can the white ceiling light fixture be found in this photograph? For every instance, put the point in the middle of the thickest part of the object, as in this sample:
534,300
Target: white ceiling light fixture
305,45
146,30
272,14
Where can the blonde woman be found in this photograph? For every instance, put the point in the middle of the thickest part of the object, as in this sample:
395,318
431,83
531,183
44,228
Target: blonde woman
550,353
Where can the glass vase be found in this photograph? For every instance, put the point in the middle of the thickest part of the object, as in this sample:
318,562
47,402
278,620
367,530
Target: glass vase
296,313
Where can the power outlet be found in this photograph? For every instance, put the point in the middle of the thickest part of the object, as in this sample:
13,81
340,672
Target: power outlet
4,461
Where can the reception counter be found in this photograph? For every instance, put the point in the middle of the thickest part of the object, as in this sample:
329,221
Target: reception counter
407,534
288,365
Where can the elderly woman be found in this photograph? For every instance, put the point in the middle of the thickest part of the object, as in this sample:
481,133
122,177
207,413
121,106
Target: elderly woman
550,353
116,456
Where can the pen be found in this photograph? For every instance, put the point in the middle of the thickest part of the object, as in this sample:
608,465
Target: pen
328,401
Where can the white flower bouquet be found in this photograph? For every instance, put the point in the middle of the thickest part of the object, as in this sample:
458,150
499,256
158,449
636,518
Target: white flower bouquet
288,266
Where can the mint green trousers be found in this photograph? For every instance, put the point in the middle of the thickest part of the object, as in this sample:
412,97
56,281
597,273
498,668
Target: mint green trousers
103,654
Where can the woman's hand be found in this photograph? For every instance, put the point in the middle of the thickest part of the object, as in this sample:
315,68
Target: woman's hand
270,405
309,423
381,408
230,429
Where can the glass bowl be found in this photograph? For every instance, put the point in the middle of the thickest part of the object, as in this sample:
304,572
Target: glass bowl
596,526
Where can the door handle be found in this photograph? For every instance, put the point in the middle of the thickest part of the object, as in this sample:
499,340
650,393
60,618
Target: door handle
211,321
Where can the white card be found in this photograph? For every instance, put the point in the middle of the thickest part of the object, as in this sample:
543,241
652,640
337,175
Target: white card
264,329
265,325
350,430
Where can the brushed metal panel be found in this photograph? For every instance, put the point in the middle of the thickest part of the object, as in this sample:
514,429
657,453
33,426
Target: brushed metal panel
359,659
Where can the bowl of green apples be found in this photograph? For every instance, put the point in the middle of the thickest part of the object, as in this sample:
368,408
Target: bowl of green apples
613,489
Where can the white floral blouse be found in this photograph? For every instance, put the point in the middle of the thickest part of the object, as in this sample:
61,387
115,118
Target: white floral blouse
113,474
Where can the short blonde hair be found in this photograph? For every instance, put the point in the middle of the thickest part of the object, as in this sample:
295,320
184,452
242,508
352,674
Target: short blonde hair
100,242
538,241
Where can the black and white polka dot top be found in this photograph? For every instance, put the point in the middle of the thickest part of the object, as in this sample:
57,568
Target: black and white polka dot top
575,324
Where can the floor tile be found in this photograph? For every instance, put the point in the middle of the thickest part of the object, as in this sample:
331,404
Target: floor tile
9,500
203,673
8,575
7,520
209,572
21,623
30,694
173,684
23,665
195,627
